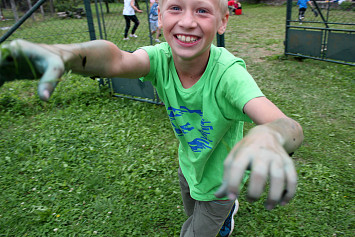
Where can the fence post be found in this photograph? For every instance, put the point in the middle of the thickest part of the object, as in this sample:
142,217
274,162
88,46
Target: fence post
288,19
103,18
220,40
98,19
150,32
90,20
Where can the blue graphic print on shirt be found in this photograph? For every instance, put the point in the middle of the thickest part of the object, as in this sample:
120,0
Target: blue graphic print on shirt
199,143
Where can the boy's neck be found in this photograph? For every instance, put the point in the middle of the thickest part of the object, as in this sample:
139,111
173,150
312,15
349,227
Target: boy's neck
190,72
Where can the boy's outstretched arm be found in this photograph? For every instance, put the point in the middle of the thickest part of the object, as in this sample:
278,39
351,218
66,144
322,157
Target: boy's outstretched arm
21,59
265,151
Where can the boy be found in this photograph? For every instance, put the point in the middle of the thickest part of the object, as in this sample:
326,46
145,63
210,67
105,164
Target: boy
153,21
129,14
302,4
208,95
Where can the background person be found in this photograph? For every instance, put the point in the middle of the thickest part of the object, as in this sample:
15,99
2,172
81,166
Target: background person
302,7
153,21
129,15
235,7
238,11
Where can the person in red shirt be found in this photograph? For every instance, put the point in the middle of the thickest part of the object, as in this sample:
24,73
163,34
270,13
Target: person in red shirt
235,6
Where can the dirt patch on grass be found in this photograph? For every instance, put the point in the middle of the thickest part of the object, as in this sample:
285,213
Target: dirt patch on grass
256,54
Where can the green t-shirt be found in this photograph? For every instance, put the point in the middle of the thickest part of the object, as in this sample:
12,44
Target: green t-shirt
208,117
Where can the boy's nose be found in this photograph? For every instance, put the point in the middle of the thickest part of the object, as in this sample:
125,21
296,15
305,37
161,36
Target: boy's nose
188,20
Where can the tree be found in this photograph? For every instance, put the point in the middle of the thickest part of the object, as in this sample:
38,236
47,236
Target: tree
4,4
14,9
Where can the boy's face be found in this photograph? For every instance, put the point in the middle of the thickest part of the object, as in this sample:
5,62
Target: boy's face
190,26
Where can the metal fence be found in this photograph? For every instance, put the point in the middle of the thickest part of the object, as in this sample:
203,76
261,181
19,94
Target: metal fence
326,32
43,25
71,25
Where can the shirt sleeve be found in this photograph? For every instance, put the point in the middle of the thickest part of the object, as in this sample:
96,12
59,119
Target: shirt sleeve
235,89
151,51
159,58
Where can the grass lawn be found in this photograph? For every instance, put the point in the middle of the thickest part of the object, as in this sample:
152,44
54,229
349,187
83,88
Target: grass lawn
88,164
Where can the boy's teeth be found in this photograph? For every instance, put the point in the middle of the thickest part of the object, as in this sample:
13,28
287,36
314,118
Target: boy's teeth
186,39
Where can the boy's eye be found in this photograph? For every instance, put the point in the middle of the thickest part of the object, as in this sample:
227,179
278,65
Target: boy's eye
175,8
201,11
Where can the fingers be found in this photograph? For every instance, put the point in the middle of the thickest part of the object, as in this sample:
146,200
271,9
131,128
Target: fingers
277,166
5,57
21,59
222,191
53,68
258,178
291,181
234,169
283,179
283,182
50,78
45,90
17,61
277,184
241,162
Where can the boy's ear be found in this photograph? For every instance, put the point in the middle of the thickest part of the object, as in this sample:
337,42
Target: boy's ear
223,26
159,17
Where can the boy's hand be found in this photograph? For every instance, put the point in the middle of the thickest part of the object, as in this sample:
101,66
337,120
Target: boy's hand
262,153
21,59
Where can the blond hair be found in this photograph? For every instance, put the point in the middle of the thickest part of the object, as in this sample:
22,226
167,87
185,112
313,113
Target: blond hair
223,6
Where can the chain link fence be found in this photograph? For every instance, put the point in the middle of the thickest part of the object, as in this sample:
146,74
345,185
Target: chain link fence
338,14
54,23
46,25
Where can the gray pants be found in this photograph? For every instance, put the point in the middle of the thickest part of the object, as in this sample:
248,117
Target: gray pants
204,218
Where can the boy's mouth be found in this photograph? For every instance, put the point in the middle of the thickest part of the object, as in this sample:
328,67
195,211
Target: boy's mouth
187,38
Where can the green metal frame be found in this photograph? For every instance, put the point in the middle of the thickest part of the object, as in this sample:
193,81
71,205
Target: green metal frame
320,43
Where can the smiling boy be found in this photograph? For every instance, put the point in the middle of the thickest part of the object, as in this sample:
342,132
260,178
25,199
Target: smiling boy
208,95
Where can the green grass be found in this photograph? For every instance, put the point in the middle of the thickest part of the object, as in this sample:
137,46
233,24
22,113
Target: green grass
88,164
